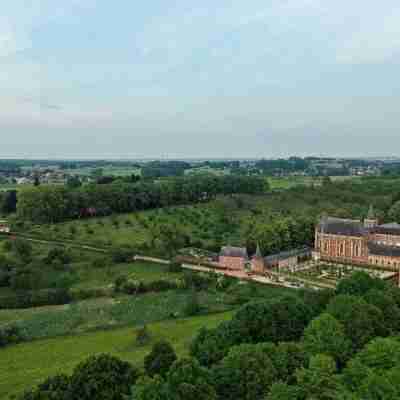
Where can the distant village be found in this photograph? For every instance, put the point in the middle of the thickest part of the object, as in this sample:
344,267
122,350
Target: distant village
55,172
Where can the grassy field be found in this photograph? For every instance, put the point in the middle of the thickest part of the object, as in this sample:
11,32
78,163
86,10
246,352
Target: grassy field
25,365
292,181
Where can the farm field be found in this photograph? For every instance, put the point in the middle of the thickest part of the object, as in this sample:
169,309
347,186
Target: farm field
292,181
107,171
134,310
105,313
25,365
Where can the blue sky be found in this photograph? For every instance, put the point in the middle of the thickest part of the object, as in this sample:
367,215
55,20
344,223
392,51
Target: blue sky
86,78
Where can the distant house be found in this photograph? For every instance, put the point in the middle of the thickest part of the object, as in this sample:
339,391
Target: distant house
234,258
4,227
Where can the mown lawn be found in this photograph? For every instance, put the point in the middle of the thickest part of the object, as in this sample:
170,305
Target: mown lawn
24,365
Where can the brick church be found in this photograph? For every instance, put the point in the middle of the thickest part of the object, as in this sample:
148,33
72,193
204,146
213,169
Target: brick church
355,242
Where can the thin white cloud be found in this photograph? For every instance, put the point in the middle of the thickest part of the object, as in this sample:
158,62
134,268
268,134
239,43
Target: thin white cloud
373,43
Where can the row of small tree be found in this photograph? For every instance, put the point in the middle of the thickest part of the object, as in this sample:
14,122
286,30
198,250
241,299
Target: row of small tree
52,204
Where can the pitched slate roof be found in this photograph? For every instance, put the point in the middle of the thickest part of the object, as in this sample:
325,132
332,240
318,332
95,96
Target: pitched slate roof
339,226
382,250
392,228
304,251
230,251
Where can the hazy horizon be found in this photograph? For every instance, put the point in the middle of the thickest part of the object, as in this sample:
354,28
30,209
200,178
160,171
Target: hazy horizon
168,80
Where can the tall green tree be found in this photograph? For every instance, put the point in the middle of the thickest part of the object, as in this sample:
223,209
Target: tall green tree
325,335
245,373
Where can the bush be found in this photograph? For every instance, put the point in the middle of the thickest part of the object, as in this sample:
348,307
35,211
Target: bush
197,281
58,254
89,293
56,387
160,359
10,334
99,263
122,255
175,267
23,249
8,245
38,298
193,306
143,336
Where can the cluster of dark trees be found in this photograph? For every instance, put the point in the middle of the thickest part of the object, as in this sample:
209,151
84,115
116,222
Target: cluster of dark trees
34,280
8,202
162,169
292,164
309,346
45,204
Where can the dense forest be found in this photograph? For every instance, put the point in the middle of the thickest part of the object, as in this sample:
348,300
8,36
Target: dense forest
58,203
305,346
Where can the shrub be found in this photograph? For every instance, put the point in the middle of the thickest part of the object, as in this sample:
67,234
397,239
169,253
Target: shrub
175,267
160,359
8,245
197,281
10,334
99,263
143,336
193,306
56,387
58,254
121,255
89,293
23,249
45,297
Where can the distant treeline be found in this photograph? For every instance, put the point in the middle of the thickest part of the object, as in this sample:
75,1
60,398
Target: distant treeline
46,204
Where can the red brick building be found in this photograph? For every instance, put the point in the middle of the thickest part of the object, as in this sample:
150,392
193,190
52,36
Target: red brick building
355,242
234,258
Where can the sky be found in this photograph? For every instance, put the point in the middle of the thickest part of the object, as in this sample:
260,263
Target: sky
186,79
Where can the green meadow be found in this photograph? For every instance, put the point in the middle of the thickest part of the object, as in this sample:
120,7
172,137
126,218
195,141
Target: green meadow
25,365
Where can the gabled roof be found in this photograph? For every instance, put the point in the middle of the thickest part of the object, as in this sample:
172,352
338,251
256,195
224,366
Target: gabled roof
340,226
230,251
382,250
392,228
304,251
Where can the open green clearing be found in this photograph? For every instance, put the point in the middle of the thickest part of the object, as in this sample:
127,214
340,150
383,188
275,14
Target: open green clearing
27,364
